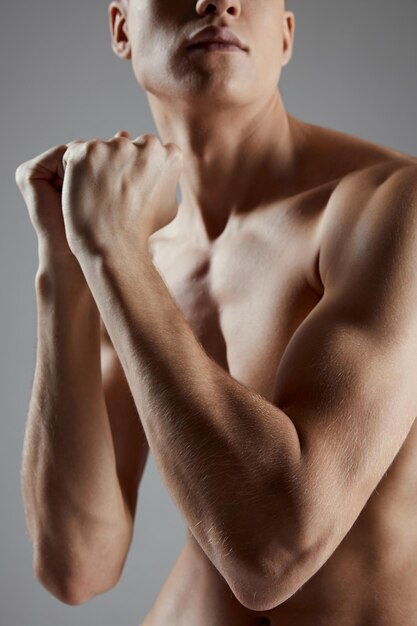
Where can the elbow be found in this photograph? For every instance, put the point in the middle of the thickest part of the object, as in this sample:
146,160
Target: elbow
73,591
71,594
63,590
70,583
265,594
278,568
272,581
257,591
76,571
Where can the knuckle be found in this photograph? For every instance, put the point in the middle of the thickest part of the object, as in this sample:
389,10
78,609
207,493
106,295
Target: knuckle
22,173
115,141
96,145
76,151
173,150
149,139
90,145
85,150
70,143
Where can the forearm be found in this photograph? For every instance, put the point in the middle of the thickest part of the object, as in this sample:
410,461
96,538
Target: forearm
228,457
73,500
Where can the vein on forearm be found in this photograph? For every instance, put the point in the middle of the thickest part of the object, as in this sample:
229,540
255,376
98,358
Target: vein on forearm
219,446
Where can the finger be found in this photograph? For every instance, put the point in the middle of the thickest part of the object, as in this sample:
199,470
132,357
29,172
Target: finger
64,159
174,151
123,133
44,166
141,140
70,143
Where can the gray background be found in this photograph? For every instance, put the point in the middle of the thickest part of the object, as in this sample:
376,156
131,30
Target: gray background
353,69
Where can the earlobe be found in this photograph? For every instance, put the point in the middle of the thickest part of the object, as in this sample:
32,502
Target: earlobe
118,30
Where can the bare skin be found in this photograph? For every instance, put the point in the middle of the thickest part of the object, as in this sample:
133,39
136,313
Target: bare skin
370,578
269,206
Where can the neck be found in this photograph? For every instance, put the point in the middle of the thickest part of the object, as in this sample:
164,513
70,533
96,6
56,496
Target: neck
235,159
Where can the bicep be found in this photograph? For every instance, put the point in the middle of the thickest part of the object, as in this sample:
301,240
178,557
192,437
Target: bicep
352,402
347,379
129,439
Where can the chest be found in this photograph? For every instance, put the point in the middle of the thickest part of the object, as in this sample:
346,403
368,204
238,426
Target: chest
244,299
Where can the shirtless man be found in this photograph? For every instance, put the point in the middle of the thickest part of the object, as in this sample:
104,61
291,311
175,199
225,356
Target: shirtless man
261,341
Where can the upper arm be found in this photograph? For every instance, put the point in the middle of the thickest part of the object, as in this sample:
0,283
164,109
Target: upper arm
129,439
347,379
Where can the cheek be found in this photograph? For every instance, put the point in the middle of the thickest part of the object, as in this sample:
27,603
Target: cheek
143,58
150,63
265,28
268,60
149,44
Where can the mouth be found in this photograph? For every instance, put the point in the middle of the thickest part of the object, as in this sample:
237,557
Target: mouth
221,46
216,38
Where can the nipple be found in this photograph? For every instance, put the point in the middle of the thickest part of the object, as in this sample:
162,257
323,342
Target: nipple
264,621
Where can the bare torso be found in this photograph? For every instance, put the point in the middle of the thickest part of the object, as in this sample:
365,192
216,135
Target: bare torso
244,296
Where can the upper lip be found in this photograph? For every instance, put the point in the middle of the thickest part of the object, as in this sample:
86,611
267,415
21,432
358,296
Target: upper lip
217,34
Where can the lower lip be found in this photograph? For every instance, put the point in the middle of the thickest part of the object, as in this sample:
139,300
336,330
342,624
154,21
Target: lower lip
216,45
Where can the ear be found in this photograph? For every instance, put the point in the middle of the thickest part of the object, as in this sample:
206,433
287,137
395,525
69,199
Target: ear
288,36
118,28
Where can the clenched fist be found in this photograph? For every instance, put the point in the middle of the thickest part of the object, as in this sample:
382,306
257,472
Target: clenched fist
40,181
116,193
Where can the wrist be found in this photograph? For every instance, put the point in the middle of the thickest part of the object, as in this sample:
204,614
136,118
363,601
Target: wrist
52,256
128,256
60,274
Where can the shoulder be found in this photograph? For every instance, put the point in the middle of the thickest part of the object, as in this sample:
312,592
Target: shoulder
341,153
368,207
373,194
